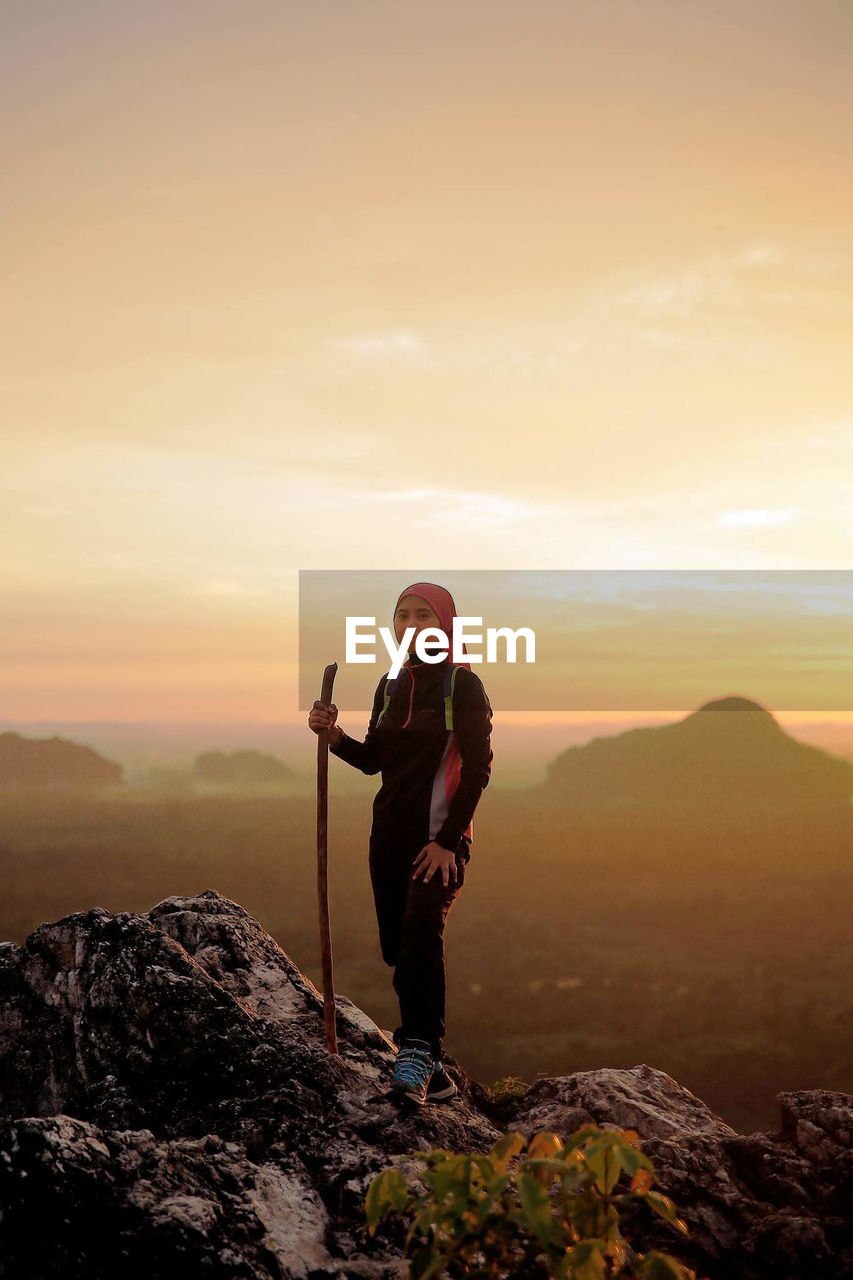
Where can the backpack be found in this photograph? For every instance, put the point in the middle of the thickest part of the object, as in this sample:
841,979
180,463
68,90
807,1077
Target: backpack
449,686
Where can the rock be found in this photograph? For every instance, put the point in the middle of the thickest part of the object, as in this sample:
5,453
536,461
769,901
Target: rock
640,1098
756,1205
166,1093
167,1106
111,1197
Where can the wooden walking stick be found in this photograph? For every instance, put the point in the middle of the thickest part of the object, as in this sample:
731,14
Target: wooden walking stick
323,866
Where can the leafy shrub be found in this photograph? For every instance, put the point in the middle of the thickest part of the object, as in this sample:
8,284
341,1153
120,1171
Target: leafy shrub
537,1209
501,1097
508,1087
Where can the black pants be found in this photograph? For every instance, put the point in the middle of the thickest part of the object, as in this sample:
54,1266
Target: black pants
411,917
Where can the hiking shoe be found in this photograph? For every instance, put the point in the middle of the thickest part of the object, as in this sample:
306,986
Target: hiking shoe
412,1071
440,1086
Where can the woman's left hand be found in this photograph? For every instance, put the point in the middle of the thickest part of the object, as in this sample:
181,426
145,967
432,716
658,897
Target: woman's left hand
434,858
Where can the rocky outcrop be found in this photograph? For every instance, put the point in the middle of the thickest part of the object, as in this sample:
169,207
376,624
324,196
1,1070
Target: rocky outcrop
756,1205
167,1106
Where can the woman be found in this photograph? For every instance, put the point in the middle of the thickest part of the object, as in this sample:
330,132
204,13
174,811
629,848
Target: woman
431,740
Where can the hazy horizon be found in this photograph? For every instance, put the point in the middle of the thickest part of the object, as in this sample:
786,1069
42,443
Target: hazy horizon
522,751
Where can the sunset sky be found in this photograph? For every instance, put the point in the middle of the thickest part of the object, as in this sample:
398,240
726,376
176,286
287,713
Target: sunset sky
394,286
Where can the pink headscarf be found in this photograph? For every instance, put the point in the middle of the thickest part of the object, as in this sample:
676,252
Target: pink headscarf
441,601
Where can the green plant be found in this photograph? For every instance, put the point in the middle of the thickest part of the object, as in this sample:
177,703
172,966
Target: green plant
533,1209
502,1097
507,1087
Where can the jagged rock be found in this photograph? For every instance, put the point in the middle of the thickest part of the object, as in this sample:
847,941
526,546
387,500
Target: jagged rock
162,1033
640,1098
756,1205
167,1106
110,1197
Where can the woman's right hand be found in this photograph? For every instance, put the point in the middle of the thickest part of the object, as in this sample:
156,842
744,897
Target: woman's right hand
323,716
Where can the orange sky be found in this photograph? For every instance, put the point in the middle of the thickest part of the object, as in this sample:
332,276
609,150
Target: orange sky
290,286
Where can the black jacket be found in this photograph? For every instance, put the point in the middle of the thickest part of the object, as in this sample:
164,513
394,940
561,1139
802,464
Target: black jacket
432,778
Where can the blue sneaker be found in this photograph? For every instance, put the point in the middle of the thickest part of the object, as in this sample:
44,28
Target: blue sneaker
413,1068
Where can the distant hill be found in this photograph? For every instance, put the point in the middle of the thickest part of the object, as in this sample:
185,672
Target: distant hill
241,766
48,761
730,751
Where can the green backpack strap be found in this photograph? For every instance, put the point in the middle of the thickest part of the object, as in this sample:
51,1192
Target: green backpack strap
389,689
449,686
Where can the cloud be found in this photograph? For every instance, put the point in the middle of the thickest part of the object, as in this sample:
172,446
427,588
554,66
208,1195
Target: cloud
227,587
759,255
392,346
466,507
716,281
826,447
758,517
